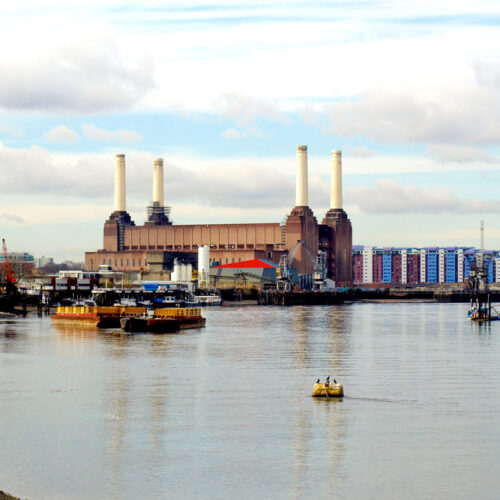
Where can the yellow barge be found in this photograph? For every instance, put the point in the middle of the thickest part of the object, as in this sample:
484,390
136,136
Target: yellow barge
109,317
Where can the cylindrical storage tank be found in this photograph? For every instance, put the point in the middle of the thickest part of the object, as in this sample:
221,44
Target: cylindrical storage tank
203,265
158,186
120,197
176,275
189,272
301,186
183,273
336,181
203,258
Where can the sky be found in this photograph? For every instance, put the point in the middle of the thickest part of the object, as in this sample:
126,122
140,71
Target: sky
224,91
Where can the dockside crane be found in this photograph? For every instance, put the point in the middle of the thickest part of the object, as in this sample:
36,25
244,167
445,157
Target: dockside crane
480,299
283,271
319,266
9,275
10,279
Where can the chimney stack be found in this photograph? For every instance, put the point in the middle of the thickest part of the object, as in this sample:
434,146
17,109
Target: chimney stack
120,199
336,181
158,186
301,186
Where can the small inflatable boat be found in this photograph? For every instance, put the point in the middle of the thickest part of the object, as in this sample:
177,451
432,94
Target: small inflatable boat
323,390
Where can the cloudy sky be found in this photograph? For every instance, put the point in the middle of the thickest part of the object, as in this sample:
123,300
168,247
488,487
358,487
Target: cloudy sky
225,90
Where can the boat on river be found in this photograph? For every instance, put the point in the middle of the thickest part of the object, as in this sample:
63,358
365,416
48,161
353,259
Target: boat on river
167,320
327,390
150,324
110,317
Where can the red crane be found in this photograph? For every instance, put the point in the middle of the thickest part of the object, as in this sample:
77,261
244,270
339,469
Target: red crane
9,275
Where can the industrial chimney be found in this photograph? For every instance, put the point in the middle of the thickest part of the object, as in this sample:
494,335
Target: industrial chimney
158,186
158,213
336,181
337,230
120,197
301,198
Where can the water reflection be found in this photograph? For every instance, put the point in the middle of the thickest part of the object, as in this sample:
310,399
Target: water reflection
226,411
116,425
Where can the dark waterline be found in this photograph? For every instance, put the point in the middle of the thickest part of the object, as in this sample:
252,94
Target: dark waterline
226,412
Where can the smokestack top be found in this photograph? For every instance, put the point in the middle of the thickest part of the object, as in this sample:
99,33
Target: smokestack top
120,196
159,162
336,181
301,189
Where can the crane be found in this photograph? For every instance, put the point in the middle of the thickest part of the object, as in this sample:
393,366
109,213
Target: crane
480,301
283,271
319,266
9,275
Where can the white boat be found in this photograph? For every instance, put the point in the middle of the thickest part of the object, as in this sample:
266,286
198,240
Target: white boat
206,300
125,302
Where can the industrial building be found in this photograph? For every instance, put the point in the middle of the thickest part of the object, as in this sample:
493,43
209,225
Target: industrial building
419,265
154,246
20,263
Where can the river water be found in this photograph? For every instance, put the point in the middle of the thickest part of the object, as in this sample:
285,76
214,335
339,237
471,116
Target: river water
225,411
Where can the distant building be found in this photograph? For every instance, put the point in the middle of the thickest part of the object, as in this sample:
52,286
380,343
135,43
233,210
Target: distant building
418,265
20,263
43,261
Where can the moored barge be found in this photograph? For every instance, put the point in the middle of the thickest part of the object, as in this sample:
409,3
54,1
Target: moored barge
169,319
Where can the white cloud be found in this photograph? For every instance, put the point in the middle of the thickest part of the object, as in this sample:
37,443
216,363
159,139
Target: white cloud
11,219
434,113
245,109
61,133
359,152
12,131
388,197
459,154
121,135
81,75
231,133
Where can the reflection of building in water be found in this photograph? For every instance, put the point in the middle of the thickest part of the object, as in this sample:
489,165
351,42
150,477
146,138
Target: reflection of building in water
302,322
339,324
319,333
320,337
118,415
318,437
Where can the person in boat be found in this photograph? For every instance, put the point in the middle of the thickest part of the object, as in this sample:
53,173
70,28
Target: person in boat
317,381
327,383
334,381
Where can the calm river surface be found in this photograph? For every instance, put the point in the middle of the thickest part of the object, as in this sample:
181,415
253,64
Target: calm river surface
225,412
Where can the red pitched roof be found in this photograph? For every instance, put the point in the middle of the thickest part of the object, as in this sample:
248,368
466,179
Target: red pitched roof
255,263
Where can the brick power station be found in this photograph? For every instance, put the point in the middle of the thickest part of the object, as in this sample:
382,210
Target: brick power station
158,242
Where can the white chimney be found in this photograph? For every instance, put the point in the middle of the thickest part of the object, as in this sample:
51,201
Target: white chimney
120,199
336,181
301,186
158,186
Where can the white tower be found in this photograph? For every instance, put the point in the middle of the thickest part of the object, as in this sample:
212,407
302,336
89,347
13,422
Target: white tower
301,186
336,181
158,185
120,197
